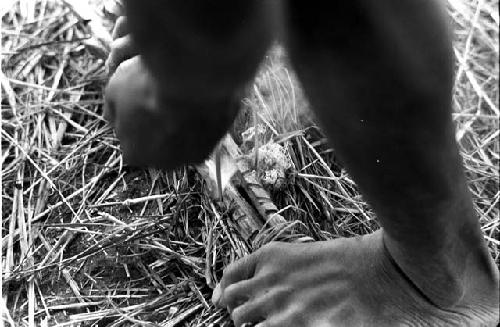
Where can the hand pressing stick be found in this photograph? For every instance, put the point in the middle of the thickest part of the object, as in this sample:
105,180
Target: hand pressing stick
227,179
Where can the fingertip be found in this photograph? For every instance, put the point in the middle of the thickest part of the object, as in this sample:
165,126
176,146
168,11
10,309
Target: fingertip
217,295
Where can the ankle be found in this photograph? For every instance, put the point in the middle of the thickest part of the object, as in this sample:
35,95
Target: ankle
451,276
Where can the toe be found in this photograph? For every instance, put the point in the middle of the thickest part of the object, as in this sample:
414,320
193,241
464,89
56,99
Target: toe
242,269
121,49
248,312
216,295
121,27
264,303
238,293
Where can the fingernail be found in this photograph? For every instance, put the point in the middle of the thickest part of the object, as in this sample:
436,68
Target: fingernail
216,295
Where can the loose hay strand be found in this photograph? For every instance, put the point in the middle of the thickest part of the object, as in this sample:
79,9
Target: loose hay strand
87,240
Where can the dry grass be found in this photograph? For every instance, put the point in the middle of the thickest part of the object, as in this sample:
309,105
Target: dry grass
88,241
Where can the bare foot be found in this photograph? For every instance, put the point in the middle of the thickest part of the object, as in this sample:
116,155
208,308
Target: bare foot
344,282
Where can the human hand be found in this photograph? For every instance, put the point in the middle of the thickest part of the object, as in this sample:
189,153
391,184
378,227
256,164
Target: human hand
153,129
343,282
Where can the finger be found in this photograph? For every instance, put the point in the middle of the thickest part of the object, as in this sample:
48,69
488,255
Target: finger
286,315
237,271
249,312
121,50
256,310
121,27
238,293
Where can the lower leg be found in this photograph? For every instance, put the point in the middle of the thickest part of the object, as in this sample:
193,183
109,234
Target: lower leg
379,77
